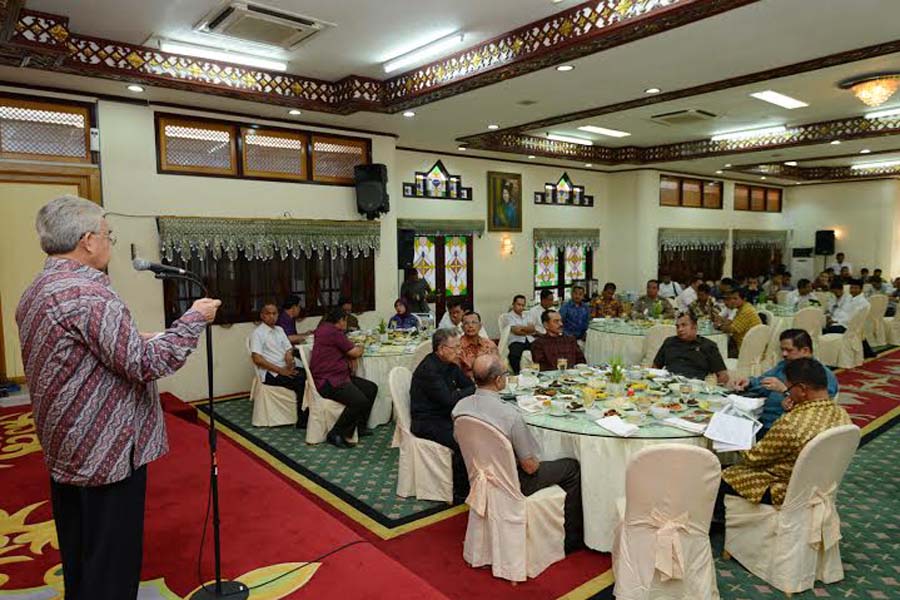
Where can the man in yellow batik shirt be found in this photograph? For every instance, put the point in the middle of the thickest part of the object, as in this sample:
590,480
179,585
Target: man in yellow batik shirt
763,474
744,319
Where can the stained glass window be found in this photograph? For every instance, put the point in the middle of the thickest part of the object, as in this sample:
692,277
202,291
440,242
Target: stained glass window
558,267
576,264
563,190
424,259
456,266
436,182
546,266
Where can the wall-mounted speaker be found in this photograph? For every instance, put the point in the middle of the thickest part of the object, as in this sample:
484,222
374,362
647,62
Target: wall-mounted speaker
371,190
825,242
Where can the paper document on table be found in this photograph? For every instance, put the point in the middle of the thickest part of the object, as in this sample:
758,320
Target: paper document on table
684,424
729,432
617,426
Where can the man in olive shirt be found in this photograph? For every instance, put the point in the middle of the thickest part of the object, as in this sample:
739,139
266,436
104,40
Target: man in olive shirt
745,318
690,355
652,305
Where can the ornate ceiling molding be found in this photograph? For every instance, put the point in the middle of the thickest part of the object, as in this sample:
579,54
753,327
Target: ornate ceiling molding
804,174
795,135
45,41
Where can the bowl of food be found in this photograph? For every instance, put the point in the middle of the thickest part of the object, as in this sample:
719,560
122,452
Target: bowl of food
660,412
544,400
558,408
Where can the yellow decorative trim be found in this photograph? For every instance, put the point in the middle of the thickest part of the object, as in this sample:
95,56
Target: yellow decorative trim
885,418
385,533
590,587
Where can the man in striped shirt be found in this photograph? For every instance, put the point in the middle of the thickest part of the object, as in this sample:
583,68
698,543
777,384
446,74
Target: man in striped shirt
92,378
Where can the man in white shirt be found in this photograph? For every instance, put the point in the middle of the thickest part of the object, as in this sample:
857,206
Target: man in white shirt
521,332
452,318
839,264
686,298
668,288
842,315
802,296
837,299
546,303
273,355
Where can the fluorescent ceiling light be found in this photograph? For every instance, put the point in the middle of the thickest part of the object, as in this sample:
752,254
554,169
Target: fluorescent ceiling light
877,165
423,53
779,99
569,139
748,133
882,114
604,131
790,163
214,54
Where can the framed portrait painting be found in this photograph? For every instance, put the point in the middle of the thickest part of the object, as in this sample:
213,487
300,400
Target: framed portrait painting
504,201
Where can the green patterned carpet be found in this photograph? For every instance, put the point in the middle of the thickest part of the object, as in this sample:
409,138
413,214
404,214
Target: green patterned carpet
365,476
869,505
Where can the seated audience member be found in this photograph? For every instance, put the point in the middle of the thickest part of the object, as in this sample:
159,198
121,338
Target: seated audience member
547,349
893,299
690,355
472,344
287,319
437,385
837,299
803,296
842,314
330,365
845,276
415,291
772,287
786,284
534,314
822,282
576,314
452,318
877,273
402,318
521,332
704,305
723,289
795,343
347,306
652,304
745,317
273,355
687,297
763,473
752,290
607,305
534,474
879,286
840,264
668,288
864,274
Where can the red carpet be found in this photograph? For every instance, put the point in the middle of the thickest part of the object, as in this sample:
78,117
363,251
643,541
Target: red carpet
871,393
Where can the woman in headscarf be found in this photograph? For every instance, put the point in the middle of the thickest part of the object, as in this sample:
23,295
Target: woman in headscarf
403,319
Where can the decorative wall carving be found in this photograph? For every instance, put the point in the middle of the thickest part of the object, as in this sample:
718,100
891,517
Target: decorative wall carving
563,193
437,182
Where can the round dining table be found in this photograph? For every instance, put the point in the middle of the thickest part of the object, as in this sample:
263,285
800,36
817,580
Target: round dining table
616,338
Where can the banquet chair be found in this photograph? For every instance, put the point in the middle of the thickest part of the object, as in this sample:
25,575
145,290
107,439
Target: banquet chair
527,361
323,412
272,405
844,350
824,298
811,320
793,545
892,329
421,351
426,468
766,316
661,547
781,297
503,344
653,340
519,536
875,331
751,355
369,320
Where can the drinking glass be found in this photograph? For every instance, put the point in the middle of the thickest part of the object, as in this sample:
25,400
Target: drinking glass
588,394
711,382
562,364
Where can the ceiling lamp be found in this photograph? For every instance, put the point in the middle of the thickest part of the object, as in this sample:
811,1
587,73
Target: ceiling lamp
433,49
873,90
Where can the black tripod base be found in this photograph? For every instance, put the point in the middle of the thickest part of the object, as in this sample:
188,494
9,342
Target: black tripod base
233,590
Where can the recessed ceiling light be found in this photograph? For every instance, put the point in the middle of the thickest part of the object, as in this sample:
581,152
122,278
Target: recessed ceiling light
294,112
532,156
748,133
763,177
652,91
719,172
135,88
589,165
421,54
565,68
493,126
835,142
727,165
408,114
790,163
865,151
604,131
779,99
570,139
461,148
214,54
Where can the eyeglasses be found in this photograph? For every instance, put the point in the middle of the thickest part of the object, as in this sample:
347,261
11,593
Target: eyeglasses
787,392
108,235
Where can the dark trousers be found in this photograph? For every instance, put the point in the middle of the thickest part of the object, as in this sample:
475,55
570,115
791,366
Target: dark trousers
867,349
101,536
357,396
441,431
726,489
515,355
566,473
296,383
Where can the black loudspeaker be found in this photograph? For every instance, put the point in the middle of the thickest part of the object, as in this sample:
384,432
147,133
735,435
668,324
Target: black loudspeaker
825,242
406,241
371,191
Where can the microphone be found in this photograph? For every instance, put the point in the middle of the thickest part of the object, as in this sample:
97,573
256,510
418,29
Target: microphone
140,264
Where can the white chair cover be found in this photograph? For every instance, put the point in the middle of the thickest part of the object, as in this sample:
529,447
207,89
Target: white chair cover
751,354
875,331
770,316
844,350
422,350
811,320
527,360
272,405
323,413
518,536
824,298
503,346
793,545
655,337
892,329
662,547
781,297
426,467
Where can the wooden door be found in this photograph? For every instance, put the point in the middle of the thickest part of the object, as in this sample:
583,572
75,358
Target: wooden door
446,263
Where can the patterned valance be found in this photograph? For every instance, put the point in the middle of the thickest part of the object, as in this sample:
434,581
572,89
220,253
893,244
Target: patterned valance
567,237
443,226
760,239
262,239
692,239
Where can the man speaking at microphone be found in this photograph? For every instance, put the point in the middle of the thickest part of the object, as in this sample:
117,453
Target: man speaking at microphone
92,377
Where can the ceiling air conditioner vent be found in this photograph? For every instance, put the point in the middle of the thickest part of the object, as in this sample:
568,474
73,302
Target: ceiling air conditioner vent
261,25
690,116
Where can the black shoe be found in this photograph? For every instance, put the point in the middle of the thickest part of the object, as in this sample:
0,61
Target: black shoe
337,440
365,432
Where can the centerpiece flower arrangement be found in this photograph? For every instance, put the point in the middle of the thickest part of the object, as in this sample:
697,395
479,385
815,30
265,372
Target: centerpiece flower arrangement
616,377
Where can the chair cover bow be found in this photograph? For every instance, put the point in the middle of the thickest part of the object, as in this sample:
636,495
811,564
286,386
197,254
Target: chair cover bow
669,553
825,525
478,491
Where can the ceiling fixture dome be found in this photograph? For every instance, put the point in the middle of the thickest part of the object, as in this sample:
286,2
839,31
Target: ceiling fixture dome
873,90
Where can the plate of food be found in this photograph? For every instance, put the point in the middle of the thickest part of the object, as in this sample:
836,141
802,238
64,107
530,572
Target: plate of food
546,391
611,412
701,416
672,406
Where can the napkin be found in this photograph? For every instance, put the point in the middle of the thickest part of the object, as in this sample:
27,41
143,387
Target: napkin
529,404
658,372
680,423
616,425
745,404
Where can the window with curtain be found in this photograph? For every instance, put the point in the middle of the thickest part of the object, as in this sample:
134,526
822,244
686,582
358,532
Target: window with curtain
558,266
752,261
683,263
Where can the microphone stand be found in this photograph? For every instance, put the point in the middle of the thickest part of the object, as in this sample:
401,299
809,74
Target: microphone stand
223,589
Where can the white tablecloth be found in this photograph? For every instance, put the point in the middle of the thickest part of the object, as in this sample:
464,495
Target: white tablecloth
603,461
601,346
376,369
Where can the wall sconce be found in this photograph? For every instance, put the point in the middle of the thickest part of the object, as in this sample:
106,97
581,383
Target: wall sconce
506,246
838,233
